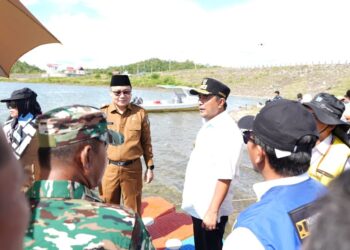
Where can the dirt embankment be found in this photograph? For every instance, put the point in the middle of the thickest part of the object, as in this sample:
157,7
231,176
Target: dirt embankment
263,81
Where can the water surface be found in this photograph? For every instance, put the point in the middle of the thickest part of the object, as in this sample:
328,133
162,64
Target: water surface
173,134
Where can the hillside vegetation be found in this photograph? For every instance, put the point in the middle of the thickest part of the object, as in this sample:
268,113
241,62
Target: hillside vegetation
25,68
150,66
261,82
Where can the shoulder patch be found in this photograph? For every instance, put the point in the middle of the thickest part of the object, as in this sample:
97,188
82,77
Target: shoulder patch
304,219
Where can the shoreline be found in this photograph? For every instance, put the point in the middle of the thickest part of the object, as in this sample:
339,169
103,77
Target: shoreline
256,82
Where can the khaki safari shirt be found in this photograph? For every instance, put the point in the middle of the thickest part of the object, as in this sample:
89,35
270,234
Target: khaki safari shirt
135,127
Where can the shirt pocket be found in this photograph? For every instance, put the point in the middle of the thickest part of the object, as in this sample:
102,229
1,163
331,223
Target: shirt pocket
135,131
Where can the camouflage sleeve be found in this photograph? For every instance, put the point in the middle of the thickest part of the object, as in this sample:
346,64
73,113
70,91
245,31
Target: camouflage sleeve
146,140
140,236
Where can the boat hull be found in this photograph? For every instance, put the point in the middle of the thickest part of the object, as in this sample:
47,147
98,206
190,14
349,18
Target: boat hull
169,108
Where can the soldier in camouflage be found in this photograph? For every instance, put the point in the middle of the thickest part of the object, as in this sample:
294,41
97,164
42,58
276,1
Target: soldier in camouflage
66,212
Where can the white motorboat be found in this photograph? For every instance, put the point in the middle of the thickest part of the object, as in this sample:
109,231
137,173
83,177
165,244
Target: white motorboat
182,101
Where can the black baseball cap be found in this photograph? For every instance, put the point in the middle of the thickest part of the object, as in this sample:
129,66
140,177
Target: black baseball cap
281,124
327,108
20,94
211,86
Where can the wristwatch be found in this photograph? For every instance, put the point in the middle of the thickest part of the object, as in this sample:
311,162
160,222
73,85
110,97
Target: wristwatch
150,167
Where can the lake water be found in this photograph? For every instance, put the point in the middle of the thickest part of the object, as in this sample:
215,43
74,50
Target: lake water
173,134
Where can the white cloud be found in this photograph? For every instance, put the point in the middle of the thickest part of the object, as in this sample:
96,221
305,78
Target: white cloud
123,32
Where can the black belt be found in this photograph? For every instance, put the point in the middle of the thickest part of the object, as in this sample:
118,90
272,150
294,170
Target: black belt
120,163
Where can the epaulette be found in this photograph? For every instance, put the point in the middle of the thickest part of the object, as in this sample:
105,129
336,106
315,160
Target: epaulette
104,106
137,105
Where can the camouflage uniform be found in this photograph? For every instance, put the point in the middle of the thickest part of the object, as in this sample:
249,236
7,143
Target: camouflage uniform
68,215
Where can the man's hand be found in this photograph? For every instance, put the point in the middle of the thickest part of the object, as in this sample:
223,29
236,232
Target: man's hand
148,176
210,220
211,217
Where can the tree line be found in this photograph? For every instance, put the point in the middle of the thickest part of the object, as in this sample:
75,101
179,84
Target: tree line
142,67
25,68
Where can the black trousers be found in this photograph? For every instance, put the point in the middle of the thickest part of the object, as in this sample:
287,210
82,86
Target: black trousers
208,240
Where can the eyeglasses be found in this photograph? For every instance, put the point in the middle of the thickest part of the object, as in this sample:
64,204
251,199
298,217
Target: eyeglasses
248,136
120,92
11,105
205,98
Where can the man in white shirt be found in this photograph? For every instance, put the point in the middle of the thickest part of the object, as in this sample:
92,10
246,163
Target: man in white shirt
331,155
208,188
279,143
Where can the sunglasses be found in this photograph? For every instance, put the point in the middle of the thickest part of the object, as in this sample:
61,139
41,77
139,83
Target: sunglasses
248,136
205,98
11,105
120,92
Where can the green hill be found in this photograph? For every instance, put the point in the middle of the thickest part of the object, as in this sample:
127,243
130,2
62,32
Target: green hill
25,68
150,66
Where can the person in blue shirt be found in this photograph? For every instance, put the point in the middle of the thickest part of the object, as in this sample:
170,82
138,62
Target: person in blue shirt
279,143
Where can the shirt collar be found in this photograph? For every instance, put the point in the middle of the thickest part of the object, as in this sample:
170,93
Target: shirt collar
22,120
261,188
114,109
216,119
323,146
61,189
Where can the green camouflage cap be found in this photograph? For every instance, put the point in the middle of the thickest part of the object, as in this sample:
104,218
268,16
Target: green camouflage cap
70,124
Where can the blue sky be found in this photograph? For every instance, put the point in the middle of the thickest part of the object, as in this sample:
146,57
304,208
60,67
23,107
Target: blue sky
240,33
45,8
217,4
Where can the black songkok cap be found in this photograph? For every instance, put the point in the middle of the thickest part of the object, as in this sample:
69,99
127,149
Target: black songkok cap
120,80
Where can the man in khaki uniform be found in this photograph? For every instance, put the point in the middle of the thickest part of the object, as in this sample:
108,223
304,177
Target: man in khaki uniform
123,175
